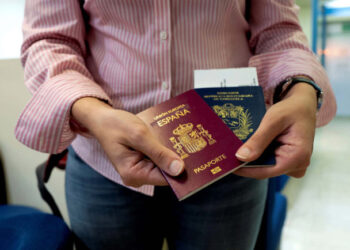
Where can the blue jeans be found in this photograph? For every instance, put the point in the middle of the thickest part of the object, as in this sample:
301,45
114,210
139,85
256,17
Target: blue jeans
105,215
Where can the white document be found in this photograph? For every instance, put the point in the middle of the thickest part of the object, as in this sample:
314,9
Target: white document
232,77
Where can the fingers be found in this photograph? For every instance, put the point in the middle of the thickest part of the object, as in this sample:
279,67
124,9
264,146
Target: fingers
143,141
273,124
291,122
298,174
127,141
144,172
269,172
135,170
291,160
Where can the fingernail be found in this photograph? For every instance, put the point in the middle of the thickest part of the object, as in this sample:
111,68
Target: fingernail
243,153
175,167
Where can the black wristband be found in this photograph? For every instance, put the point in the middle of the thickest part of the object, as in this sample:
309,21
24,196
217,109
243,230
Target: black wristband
283,88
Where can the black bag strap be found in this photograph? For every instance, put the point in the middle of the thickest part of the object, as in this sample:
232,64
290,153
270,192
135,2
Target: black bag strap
43,173
3,192
85,15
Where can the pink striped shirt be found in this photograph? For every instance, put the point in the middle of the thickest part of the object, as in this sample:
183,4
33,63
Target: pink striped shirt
138,53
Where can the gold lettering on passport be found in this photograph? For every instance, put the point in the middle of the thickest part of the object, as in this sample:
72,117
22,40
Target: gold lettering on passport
236,118
210,163
178,114
169,112
190,140
215,170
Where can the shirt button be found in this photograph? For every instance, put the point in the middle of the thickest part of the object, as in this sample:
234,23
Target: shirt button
163,35
165,85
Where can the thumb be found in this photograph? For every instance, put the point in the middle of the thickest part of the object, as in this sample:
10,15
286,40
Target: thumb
268,130
163,157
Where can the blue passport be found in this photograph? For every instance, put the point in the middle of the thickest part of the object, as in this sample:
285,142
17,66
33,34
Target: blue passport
241,109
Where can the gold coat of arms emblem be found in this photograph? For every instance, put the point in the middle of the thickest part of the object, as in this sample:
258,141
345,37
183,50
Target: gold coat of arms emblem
236,118
189,139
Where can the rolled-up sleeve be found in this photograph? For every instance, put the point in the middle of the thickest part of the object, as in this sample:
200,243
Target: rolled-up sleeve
52,54
281,50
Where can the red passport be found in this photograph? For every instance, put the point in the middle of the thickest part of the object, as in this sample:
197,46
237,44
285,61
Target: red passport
188,126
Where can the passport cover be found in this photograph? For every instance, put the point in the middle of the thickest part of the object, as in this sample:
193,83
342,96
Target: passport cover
188,126
241,109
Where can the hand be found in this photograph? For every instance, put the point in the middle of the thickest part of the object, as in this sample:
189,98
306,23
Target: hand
128,143
292,122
